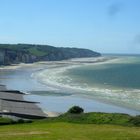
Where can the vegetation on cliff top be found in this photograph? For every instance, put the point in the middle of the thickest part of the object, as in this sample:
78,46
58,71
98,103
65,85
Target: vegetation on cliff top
28,53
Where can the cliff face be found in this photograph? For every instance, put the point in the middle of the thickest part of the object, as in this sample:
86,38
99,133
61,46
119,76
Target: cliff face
8,57
26,53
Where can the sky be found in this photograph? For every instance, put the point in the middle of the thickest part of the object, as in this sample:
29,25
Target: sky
106,26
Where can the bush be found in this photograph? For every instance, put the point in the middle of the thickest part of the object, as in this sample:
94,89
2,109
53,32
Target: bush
135,120
4,121
20,121
76,110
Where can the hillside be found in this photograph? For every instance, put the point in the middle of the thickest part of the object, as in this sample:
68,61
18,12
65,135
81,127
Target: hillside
87,126
28,53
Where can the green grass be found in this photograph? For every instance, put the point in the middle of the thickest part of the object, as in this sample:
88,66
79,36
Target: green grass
32,49
14,47
37,52
68,131
8,121
86,126
98,118
4,121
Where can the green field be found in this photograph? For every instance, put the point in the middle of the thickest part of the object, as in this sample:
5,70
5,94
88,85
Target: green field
68,131
84,126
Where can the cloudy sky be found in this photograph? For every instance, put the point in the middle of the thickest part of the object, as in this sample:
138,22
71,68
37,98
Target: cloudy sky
106,26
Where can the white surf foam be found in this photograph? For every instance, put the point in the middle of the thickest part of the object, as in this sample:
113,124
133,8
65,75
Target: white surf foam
55,79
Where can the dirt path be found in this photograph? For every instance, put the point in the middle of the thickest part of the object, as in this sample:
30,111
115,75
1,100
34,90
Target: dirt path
23,133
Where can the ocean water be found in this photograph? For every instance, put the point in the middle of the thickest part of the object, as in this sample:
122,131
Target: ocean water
116,81
106,84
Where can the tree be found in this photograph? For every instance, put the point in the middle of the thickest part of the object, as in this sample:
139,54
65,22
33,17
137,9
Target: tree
135,120
76,110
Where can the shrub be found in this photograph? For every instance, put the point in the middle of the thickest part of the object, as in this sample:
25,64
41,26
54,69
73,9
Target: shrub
135,120
76,110
20,121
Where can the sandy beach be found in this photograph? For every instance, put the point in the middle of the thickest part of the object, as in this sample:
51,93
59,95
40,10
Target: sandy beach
53,98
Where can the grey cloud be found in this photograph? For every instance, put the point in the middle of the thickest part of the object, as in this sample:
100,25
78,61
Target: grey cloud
114,9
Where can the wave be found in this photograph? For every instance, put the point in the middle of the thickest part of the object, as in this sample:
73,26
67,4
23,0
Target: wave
56,79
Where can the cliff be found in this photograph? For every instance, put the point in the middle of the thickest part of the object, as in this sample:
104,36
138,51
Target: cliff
27,53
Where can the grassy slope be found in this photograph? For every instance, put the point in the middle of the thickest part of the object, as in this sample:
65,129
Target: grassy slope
44,50
68,131
37,50
74,127
96,118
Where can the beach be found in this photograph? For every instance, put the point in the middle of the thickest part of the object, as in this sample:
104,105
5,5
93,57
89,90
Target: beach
50,84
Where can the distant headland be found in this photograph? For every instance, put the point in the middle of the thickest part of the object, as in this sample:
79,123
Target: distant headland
29,53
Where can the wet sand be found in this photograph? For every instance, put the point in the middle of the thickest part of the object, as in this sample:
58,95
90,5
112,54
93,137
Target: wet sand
19,77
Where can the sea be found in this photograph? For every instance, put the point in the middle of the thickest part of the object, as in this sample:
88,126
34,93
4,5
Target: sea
110,83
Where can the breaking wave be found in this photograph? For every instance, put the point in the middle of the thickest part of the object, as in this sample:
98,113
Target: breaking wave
58,79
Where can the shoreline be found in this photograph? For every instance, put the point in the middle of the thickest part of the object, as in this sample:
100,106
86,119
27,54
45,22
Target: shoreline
76,60
61,66
101,95
40,66
60,104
